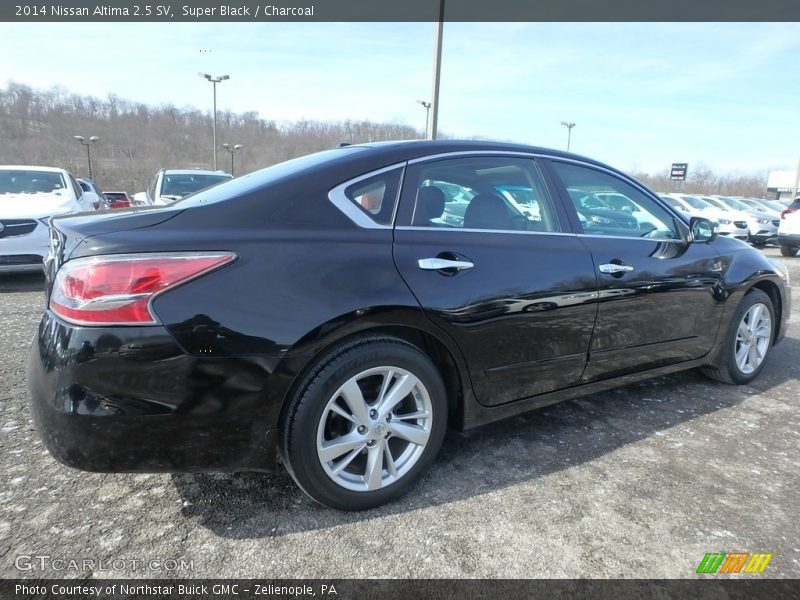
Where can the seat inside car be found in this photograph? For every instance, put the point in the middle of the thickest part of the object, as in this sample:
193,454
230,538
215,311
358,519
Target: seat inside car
487,211
430,205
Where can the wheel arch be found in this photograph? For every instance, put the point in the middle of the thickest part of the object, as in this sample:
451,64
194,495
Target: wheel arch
408,325
771,289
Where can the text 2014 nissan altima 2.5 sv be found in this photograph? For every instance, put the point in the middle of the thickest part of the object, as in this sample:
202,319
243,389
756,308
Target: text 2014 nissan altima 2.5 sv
331,314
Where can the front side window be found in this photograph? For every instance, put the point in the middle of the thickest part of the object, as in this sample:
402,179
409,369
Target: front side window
493,193
607,205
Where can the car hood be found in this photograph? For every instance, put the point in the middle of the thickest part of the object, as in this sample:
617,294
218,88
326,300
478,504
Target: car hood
35,206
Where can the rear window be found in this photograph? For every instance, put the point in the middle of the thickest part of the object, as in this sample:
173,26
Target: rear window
377,195
253,181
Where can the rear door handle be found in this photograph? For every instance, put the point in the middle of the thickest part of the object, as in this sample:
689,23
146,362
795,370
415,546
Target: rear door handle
612,269
438,264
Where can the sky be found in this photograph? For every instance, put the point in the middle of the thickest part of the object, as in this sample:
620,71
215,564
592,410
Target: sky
642,95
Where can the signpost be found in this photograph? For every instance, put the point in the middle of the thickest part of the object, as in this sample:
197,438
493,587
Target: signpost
678,171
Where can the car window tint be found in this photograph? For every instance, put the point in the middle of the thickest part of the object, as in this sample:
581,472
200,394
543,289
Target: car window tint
490,193
377,195
607,205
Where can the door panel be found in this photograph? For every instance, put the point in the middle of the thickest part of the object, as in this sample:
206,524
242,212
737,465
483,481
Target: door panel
666,310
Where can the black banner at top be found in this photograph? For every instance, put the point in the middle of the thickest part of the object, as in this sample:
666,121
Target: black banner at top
396,10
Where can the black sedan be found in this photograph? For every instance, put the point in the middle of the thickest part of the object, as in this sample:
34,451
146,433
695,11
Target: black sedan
321,313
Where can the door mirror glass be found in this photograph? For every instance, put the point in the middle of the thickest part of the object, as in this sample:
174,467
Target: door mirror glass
703,230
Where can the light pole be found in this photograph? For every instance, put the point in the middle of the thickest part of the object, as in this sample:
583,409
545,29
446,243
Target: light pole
215,81
88,143
427,106
569,125
233,150
437,72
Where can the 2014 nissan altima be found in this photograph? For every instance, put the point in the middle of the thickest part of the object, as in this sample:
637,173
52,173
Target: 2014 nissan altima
328,313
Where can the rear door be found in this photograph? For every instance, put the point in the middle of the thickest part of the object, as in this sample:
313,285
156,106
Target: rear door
660,298
490,258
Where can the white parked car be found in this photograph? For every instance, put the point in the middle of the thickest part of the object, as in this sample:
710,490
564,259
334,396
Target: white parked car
29,196
761,226
92,193
170,185
789,229
692,205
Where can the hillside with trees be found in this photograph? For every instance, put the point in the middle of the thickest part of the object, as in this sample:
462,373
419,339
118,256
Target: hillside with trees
37,127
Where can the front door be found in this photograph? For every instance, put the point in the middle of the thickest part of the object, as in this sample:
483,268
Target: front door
660,298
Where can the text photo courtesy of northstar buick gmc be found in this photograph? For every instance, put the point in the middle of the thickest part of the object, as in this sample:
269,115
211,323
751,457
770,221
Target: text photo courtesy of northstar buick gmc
336,313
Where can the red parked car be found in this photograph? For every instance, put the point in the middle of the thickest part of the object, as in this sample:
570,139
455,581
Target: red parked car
117,200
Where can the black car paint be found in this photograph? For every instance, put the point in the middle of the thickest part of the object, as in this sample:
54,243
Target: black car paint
206,390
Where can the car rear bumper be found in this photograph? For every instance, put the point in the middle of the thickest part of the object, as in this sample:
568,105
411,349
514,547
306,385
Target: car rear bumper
129,399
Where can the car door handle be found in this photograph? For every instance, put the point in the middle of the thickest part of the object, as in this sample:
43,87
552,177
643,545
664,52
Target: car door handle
438,264
612,268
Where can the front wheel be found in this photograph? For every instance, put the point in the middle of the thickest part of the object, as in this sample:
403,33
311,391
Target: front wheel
365,423
748,340
788,250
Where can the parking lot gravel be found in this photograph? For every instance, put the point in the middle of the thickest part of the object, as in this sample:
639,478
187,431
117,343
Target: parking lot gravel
641,481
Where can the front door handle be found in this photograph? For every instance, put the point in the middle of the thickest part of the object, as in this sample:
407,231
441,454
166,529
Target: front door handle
438,264
613,269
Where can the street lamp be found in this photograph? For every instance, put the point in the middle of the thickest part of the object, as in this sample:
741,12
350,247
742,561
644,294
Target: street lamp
427,106
88,143
233,150
569,125
215,81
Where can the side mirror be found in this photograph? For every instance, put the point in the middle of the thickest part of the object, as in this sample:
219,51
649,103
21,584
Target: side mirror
702,230
140,198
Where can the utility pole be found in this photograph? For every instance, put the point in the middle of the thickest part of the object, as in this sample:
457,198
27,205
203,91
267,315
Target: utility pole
437,71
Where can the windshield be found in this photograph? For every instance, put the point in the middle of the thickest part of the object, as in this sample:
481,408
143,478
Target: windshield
718,203
672,202
31,182
179,185
734,203
696,202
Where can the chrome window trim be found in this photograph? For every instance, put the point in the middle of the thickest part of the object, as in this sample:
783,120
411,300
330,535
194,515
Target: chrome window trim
625,237
458,153
340,200
438,229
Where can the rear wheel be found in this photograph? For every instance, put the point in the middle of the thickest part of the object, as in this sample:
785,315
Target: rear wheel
748,340
365,424
788,250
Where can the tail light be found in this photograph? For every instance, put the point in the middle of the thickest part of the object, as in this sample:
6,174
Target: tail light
119,289
787,211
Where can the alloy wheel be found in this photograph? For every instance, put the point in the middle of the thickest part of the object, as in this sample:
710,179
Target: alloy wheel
753,338
374,428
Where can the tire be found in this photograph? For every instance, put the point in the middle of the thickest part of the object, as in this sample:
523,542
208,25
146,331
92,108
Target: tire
731,370
788,251
340,398
759,244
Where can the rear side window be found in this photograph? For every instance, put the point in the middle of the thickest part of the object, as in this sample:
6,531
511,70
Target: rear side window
376,196
491,193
